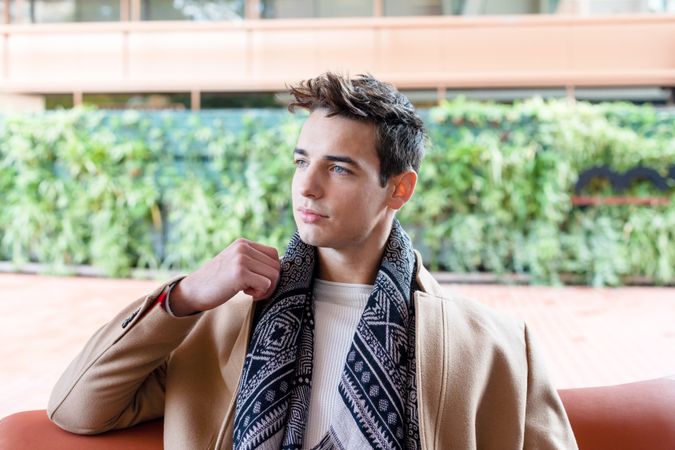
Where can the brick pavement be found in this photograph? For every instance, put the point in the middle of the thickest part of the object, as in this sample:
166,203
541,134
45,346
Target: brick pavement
589,336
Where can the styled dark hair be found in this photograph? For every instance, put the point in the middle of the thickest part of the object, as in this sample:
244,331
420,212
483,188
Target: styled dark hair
401,137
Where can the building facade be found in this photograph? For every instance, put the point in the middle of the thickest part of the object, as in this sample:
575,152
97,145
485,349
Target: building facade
200,54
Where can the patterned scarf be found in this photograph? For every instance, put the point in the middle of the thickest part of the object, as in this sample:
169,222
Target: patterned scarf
377,385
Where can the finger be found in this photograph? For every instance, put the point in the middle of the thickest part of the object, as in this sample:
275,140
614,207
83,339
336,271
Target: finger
273,276
272,288
255,282
262,268
263,258
243,248
257,295
267,250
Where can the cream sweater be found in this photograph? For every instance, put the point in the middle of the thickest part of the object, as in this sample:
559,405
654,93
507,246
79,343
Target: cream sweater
337,310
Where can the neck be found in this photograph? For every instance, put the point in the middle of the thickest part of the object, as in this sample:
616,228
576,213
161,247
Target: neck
356,264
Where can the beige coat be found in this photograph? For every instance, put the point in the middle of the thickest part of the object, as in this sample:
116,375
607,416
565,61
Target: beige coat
480,383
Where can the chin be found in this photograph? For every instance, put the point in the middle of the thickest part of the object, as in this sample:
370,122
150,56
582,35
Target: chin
311,237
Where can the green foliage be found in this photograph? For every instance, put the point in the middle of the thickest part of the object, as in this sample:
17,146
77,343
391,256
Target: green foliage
130,190
125,190
495,191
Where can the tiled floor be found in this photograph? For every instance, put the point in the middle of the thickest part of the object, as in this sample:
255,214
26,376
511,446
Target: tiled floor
589,336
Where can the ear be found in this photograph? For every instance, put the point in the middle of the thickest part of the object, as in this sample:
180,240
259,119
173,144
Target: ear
404,186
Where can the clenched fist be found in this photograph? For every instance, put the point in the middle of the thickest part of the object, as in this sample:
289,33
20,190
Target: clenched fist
243,266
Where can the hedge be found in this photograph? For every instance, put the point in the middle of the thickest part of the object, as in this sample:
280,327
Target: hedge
168,190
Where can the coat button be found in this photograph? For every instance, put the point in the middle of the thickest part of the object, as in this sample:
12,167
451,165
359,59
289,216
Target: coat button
129,319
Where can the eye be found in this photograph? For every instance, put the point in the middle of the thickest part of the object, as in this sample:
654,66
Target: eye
340,170
300,163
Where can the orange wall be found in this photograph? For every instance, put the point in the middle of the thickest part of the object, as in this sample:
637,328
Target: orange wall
252,55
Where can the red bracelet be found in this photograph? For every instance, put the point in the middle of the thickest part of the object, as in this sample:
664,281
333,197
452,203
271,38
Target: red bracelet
159,301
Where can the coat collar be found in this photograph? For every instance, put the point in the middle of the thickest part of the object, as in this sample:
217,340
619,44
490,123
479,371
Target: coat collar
425,281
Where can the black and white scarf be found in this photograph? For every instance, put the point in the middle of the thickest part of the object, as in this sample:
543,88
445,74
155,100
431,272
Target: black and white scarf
377,386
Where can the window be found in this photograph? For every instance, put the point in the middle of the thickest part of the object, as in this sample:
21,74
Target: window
628,6
198,10
217,100
467,7
19,11
662,6
171,101
156,101
58,101
54,11
286,9
421,98
418,7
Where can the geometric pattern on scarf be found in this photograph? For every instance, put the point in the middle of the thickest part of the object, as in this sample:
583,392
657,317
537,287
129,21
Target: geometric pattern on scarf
377,385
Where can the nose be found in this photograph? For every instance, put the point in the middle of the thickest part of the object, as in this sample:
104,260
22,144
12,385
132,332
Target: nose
308,181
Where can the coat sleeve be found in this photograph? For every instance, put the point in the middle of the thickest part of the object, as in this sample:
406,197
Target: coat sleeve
546,423
118,378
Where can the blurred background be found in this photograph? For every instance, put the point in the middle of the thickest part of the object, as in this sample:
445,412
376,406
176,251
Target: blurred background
238,53
138,138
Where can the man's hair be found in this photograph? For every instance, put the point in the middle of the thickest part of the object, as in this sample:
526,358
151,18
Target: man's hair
401,137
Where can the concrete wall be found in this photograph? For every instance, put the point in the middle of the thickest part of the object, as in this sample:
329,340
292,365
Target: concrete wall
258,55
14,103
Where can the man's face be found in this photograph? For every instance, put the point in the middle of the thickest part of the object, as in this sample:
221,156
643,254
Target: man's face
337,199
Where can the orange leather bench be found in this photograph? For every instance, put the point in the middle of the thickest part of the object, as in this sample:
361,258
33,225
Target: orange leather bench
635,416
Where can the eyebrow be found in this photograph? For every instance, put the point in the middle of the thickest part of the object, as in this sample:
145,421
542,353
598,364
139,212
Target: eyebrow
335,158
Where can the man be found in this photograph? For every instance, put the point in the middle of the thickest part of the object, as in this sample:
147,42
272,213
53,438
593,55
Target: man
345,343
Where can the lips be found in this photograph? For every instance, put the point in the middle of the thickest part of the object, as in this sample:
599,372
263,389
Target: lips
310,216
311,212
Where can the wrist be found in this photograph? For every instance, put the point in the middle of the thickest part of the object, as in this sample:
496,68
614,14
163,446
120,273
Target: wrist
179,301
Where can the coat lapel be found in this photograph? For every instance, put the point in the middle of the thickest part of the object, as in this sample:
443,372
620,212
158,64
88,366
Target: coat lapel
231,369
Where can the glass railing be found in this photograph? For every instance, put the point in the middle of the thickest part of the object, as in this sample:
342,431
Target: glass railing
54,11
287,9
610,7
197,10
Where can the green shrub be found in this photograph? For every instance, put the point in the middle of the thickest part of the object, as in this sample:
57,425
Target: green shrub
125,190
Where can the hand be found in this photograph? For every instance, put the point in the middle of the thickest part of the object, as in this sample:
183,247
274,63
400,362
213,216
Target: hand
243,266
